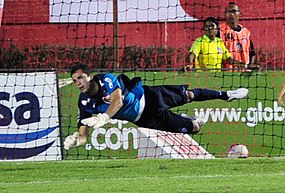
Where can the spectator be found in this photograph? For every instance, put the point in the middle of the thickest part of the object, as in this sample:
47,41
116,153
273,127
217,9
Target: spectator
237,38
209,51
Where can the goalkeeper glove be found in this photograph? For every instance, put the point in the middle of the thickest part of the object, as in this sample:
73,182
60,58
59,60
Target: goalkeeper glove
71,141
96,121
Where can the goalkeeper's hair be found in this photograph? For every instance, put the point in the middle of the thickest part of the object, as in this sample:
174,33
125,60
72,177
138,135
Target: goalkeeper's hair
85,68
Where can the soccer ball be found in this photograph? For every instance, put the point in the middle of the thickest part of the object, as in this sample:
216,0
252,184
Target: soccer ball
238,151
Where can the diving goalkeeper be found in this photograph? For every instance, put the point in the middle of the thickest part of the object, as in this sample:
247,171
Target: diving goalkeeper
106,96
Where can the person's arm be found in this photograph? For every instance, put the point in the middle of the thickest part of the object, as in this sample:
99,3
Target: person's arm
252,53
252,57
80,138
194,51
198,65
281,96
241,64
188,66
111,83
83,134
192,57
77,138
102,118
191,62
236,63
116,103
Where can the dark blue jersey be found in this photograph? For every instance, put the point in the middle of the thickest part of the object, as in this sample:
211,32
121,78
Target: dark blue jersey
132,91
145,106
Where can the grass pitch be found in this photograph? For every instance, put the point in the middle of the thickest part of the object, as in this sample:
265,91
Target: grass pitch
152,175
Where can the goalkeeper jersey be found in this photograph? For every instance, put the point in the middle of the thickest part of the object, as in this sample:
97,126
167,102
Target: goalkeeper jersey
133,99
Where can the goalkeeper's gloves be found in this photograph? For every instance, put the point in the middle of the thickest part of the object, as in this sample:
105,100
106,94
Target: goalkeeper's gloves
71,141
96,121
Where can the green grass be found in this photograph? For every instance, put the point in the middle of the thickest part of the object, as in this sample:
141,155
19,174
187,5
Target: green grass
152,175
266,138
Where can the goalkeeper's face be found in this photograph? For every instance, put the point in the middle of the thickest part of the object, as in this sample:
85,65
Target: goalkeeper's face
82,80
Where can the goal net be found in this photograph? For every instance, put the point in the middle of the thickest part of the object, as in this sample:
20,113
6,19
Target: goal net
145,38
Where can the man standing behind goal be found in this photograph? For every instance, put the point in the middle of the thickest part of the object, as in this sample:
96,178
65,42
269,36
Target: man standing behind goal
237,38
118,97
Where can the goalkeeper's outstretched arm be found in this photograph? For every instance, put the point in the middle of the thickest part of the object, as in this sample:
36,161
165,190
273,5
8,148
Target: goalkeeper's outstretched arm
77,138
102,118
83,134
80,138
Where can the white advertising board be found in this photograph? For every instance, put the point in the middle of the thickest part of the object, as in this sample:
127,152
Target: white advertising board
29,117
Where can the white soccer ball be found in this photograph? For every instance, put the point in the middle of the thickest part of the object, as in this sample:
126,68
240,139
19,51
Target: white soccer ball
238,151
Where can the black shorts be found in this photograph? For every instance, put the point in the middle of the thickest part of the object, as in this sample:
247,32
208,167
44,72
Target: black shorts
157,114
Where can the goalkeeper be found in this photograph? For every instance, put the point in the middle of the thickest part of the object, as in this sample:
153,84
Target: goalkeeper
109,96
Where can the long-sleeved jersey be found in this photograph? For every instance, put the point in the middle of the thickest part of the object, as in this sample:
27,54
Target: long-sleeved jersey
133,99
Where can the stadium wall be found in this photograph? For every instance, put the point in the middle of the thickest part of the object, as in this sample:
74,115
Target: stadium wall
27,23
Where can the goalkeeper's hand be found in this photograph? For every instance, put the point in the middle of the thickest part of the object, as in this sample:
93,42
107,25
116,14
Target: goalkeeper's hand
71,141
96,121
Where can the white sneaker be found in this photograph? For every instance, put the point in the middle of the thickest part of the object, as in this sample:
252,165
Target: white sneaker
237,94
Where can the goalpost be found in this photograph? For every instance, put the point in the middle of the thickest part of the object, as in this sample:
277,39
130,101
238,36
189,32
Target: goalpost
145,38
